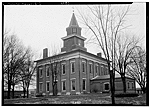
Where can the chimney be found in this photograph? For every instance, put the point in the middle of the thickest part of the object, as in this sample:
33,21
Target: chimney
45,53
99,54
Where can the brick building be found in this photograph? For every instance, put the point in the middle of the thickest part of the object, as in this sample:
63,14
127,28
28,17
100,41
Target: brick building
76,66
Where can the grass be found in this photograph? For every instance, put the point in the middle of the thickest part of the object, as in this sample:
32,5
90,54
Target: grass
79,99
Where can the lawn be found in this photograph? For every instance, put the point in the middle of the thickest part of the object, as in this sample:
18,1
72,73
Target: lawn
79,99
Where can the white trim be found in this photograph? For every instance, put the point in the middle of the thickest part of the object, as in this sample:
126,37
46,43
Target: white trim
46,86
62,68
104,86
51,94
62,85
58,93
68,93
71,83
74,34
78,93
39,86
85,83
75,55
63,79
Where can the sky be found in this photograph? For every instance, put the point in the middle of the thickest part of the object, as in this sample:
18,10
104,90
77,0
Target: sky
43,26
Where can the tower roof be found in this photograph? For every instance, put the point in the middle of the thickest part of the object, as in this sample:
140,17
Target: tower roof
73,21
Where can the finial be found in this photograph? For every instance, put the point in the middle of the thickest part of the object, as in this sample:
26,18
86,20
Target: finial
73,9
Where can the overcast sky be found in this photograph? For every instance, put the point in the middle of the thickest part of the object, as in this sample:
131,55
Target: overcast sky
41,26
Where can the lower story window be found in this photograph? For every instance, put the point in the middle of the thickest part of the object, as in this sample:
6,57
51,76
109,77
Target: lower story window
106,86
41,86
73,87
63,85
47,86
84,84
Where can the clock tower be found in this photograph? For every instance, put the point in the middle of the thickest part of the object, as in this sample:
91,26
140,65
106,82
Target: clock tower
73,40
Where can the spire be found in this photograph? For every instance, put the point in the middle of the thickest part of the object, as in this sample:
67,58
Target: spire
73,21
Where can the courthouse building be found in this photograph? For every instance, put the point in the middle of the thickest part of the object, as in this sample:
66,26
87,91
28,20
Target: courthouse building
80,71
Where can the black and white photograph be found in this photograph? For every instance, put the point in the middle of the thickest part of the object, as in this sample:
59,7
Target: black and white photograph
75,53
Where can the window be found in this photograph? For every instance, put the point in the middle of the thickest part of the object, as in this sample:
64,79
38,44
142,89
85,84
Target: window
74,30
47,71
96,69
63,85
84,84
79,42
90,66
47,86
40,72
63,69
83,67
128,85
73,87
41,86
106,86
132,85
72,67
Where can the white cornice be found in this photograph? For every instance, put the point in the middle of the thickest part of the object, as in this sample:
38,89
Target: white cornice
66,37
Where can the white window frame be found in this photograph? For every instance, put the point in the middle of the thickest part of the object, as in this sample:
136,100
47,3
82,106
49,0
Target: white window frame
102,70
104,86
39,86
84,66
85,83
71,66
128,85
90,64
96,69
132,85
46,86
71,83
48,71
62,68
63,80
40,72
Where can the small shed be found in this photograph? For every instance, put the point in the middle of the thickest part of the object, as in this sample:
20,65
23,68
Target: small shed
101,84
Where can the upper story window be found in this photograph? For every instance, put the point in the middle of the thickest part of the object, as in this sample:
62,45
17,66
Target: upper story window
47,71
96,69
63,69
72,67
74,30
40,72
83,66
90,68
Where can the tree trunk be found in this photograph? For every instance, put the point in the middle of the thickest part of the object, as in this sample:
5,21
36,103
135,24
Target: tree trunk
111,85
28,92
24,92
124,83
13,90
143,89
9,87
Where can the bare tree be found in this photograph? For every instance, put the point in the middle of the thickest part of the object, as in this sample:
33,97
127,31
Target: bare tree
12,56
137,69
124,50
27,71
105,22
54,68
